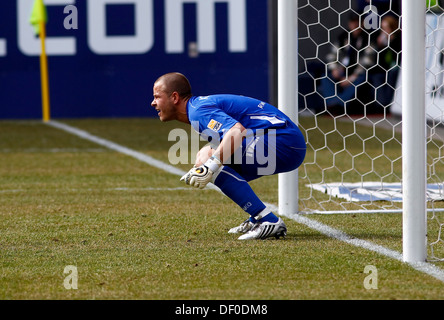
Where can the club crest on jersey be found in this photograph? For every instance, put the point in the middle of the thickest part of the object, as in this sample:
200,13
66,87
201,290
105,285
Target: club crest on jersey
214,125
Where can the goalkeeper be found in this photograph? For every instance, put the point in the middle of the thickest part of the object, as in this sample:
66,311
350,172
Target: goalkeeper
248,139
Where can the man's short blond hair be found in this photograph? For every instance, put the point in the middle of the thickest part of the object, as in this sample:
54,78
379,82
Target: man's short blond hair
175,82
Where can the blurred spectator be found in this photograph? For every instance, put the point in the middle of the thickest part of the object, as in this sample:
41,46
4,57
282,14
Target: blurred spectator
384,75
353,54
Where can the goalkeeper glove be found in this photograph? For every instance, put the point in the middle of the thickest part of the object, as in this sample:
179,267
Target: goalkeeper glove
199,177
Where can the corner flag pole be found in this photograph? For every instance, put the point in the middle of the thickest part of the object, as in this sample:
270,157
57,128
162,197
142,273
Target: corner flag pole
44,74
39,19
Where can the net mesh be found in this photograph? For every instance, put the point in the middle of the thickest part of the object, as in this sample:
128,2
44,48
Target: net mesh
350,109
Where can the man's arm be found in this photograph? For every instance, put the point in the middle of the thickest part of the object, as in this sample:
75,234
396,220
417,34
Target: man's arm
230,143
200,176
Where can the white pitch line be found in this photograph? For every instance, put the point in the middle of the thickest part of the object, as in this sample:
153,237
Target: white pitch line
121,149
116,147
424,267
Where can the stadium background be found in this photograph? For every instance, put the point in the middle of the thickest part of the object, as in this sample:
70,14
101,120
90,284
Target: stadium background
88,84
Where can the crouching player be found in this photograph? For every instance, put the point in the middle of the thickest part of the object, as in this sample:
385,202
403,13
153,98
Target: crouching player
248,139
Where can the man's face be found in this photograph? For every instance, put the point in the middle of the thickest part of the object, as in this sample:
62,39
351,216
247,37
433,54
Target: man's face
163,103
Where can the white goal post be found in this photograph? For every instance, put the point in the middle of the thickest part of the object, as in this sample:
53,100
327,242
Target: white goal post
288,94
414,131
362,156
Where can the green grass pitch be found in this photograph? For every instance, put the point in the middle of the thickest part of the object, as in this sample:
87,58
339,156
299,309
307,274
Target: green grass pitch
136,232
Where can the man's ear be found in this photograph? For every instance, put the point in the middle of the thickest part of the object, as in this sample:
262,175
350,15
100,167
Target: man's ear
176,97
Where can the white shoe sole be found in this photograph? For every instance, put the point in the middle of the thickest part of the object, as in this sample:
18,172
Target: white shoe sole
266,230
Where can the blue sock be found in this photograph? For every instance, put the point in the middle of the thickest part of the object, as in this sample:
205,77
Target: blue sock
237,189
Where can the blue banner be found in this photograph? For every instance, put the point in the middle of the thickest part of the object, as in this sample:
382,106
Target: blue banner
104,55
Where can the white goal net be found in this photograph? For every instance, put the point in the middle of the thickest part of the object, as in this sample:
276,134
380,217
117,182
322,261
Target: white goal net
350,109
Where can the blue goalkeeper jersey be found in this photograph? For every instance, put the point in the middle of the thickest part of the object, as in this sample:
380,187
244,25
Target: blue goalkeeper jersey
212,116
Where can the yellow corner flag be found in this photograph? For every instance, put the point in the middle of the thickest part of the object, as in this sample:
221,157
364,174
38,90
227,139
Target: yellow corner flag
39,17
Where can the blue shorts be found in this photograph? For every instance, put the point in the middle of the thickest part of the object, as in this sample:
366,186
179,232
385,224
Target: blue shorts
269,152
